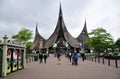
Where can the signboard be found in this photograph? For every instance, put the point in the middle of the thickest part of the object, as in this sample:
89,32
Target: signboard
41,44
79,44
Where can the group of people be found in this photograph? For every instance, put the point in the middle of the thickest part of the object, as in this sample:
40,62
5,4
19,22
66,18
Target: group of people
73,57
43,57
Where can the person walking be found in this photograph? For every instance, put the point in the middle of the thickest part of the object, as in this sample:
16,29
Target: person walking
70,56
59,58
45,57
41,57
75,58
83,56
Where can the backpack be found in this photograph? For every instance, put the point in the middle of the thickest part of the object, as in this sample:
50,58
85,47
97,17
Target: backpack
75,56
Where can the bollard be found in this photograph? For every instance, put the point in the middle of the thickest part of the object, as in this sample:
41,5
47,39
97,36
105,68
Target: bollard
116,64
103,60
109,61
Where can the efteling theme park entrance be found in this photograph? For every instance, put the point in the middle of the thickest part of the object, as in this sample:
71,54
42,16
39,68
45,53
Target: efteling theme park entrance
12,56
61,39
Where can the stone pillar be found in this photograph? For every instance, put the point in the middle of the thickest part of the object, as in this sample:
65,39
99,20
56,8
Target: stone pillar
4,56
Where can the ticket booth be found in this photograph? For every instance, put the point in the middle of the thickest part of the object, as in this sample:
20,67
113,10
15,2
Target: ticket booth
12,57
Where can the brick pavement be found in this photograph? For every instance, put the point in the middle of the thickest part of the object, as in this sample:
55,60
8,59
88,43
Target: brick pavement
51,70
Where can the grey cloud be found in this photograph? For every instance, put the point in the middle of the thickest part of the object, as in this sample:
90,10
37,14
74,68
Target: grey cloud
25,13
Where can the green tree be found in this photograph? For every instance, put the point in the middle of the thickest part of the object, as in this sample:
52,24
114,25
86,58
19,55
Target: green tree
0,41
28,47
23,35
99,39
117,43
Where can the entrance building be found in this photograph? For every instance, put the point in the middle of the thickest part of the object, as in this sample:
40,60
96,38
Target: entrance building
61,39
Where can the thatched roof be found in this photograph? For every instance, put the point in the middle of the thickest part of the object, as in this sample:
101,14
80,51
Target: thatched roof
61,30
37,39
83,35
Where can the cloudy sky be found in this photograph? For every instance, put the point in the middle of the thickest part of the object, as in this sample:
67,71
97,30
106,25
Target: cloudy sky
17,14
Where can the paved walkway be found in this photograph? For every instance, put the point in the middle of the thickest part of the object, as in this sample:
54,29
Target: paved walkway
51,70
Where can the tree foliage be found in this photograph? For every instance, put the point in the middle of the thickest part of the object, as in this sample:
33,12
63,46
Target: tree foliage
28,46
0,41
23,35
99,39
117,43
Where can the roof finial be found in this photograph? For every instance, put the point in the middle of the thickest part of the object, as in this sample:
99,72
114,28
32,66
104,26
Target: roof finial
85,27
36,28
85,22
60,10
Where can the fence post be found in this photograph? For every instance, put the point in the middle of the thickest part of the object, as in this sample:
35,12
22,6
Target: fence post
116,64
109,61
103,60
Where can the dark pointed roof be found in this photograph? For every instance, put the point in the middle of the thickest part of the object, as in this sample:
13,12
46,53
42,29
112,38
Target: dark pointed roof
84,32
83,36
61,29
37,39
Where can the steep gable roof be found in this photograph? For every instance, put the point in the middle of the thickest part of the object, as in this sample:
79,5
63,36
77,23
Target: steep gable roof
84,33
61,27
37,39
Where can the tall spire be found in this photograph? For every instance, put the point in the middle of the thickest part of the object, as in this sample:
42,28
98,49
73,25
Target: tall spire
37,35
84,32
60,12
85,27
36,31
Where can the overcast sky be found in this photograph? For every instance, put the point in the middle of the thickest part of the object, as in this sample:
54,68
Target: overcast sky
17,14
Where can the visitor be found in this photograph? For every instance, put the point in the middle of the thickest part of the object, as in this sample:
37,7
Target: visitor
45,57
83,56
75,58
69,56
59,58
41,57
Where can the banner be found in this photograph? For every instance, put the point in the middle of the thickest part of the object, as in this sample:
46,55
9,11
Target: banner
41,44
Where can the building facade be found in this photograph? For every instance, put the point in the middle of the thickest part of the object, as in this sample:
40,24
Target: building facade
61,39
